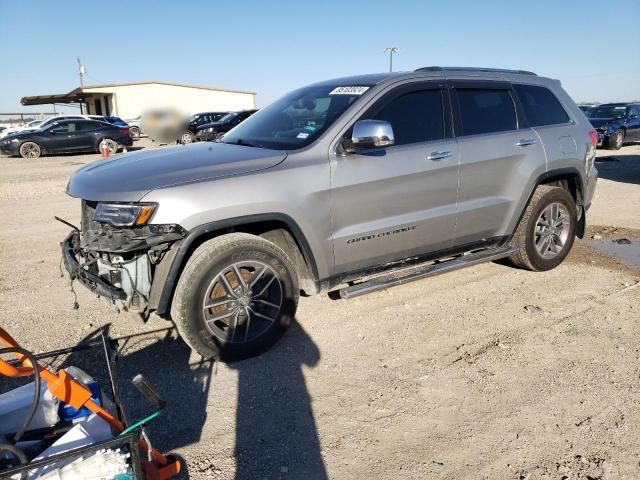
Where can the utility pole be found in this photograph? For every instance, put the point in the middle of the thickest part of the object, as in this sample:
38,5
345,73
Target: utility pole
80,71
391,51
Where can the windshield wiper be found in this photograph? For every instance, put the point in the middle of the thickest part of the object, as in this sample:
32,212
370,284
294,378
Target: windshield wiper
239,141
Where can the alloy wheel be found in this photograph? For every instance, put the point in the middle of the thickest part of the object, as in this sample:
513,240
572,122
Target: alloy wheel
29,150
552,230
242,301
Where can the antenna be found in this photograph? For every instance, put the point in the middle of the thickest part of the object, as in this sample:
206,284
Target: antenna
81,71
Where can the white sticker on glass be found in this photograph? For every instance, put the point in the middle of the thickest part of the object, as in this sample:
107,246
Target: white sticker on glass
348,90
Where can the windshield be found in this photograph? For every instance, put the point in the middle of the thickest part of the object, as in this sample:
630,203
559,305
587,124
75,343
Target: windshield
297,119
227,117
606,112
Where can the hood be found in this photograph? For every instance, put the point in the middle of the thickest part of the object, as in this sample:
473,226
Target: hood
128,177
601,122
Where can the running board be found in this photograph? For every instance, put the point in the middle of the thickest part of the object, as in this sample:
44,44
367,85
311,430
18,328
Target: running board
419,272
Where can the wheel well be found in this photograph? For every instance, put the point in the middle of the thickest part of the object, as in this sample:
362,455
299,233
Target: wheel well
571,183
280,233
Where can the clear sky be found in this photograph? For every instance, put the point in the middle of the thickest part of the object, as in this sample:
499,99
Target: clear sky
273,46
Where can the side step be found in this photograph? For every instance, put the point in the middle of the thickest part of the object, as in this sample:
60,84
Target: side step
423,271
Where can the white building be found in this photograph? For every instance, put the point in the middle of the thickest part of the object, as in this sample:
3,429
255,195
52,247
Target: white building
129,100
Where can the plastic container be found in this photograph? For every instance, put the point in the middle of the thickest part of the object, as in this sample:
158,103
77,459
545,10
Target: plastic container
15,406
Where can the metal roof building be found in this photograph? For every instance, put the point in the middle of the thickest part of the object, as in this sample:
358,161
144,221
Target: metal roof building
129,100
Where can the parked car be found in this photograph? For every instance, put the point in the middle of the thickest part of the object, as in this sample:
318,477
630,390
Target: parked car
215,130
616,123
50,121
586,107
112,119
389,178
199,119
66,136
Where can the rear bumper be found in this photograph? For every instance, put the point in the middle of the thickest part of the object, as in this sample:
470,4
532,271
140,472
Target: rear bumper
70,254
592,179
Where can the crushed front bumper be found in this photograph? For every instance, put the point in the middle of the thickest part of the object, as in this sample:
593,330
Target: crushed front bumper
71,253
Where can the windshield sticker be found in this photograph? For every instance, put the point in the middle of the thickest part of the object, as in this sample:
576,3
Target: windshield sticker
302,135
348,90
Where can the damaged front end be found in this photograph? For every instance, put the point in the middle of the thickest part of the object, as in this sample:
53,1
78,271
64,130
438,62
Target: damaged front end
116,258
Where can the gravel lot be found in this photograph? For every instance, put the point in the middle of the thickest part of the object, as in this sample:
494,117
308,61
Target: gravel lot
489,372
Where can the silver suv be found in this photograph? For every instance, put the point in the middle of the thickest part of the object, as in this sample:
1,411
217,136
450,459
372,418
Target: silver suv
355,184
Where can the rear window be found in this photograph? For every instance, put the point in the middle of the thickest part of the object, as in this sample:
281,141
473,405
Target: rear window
486,111
540,106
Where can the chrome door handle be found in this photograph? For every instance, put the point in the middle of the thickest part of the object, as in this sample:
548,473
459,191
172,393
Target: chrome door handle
526,141
438,155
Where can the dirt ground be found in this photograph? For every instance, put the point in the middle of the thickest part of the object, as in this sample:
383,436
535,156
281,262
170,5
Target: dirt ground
487,373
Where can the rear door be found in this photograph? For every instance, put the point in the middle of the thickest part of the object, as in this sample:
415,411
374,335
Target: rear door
499,154
87,133
393,203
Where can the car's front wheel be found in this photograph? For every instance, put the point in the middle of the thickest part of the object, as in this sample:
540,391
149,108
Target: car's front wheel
187,137
30,150
616,140
546,231
235,297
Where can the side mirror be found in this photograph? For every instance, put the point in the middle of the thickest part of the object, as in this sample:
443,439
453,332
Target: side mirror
371,134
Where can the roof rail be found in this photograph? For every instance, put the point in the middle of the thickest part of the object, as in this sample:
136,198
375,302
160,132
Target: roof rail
473,69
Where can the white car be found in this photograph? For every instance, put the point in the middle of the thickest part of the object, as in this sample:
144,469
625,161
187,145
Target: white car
28,126
38,124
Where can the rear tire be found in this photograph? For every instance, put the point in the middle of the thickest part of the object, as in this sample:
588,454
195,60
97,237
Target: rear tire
546,231
30,150
112,145
616,140
236,296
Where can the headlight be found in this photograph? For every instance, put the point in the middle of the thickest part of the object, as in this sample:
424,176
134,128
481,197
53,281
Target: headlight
123,214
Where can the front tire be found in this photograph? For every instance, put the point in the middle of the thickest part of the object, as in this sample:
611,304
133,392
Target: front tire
546,231
616,140
236,296
187,138
30,150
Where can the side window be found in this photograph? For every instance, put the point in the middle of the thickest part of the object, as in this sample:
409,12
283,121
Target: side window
486,111
635,110
541,106
86,126
415,117
64,127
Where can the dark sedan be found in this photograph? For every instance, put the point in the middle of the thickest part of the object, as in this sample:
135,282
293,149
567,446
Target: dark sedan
215,130
66,136
615,123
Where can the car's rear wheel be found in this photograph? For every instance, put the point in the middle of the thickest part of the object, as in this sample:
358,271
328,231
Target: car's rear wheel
616,140
134,132
546,231
235,297
30,150
187,137
111,144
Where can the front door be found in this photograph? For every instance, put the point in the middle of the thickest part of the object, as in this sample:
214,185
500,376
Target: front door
499,154
393,203
63,137
633,123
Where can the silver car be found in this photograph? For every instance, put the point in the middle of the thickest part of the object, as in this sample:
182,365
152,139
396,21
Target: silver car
350,185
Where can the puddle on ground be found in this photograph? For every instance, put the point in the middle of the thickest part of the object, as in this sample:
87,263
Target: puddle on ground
627,251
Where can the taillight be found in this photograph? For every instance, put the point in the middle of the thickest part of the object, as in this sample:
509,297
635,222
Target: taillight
594,137
124,131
